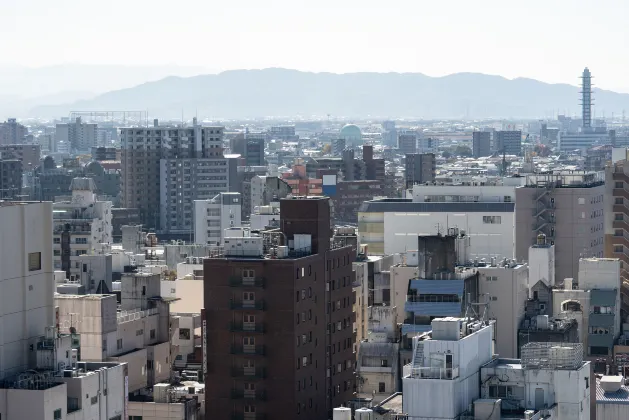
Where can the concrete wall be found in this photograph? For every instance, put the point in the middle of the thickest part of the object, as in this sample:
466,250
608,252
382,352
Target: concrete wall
18,404
157,411
26,304
488,193
136,362
400,276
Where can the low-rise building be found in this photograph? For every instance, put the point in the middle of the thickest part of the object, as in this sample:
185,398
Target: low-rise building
213,216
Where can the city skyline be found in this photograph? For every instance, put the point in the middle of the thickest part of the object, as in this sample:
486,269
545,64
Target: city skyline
543,41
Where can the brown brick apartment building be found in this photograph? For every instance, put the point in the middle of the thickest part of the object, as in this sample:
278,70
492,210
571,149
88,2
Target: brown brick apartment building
279,321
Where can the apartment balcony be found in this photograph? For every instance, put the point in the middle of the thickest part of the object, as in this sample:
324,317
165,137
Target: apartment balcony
620,224
258,305
621,208
434,373
237,281
621,192
254,373
253,350
247,327
239,394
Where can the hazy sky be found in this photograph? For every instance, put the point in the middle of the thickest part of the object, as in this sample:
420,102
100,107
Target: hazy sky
550,40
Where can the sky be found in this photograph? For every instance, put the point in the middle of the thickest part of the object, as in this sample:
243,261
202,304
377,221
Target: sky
551,40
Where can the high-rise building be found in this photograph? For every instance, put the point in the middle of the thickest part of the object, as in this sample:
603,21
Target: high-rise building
481,143
280,330
78,135
213,216
10,178
164,169
586,99
338,145
12,132
427,145
28,154
509,142
568,208
407,142
420,168
254,149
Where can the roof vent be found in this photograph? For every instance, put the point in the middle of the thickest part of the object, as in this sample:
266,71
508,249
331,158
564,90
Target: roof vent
611,383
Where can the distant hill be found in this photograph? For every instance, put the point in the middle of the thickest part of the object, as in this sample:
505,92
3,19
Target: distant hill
282,92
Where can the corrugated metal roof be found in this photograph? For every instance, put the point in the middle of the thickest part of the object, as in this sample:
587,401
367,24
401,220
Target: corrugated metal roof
443,287
434,308
407,205
619,397
411,328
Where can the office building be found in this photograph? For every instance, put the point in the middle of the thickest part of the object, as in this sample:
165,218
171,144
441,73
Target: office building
262,191
389,134
267,354
28,154
213,216
10,178
164,169
12,132
254,149
78,135
81,226
283,133
105,154
374,168
568,209
407,142
481,144
427,145
586,99
508,142
419,169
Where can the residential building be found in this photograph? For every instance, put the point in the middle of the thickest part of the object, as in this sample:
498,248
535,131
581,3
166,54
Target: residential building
551,381
338,146
51,181
568,208
481,144
508,142
595,305
265,216
504,286
544,329
78,135
12,132
10,178
348,196
389,133
254,149
105,153
443,379
264,190
377,361
616,222
419,169
427,145
390,226
283,133
164,169
407,142
374,168
212,217
81,226
251,322
28,154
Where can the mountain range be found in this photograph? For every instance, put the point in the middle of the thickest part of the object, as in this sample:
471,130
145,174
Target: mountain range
279,92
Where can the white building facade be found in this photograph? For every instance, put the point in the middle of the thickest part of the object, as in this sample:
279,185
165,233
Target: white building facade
213,216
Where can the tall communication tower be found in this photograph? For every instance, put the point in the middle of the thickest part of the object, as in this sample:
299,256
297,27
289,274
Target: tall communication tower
586,98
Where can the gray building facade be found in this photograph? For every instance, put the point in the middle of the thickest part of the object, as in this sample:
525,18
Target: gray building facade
420,168
481,143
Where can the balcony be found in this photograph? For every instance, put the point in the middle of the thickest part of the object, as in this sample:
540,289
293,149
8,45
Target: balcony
237,281
434,373
238,394
246,327
257,305
253,350
256,373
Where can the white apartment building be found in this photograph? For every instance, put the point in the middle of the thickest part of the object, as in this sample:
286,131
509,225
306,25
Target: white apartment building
443,379
427,145
213,216
504,287
390,226
78,135
264,216
81,226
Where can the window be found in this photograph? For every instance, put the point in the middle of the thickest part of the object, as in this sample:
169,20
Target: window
304,361
119,344
56,240
587,383
248,319
94,400
57,414
581,200
152,334
184,333
618,200
384,363
617,248
493,220
619,185
249,341
34,264
139,332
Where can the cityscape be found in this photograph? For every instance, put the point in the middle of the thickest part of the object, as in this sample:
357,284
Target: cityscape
258,242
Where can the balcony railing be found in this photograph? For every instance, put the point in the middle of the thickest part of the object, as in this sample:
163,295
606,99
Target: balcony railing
258,305
239,349
238,394
246,327
258,373
237,281
434,373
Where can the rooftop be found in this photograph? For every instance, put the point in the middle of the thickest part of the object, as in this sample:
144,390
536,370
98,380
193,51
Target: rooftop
621,396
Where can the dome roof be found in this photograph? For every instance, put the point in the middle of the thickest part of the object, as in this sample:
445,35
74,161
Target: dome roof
351,130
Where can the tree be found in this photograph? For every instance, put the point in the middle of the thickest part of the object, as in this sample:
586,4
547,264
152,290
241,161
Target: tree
463,151
446,154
